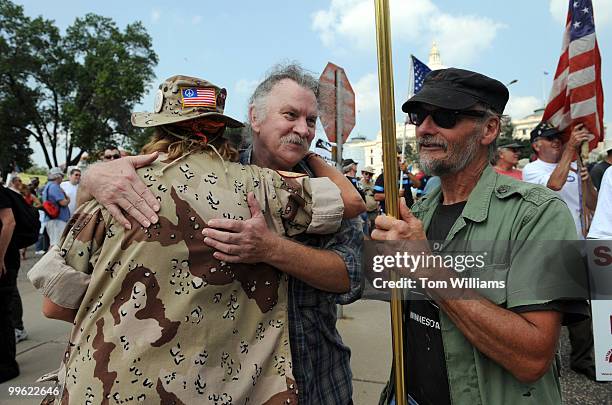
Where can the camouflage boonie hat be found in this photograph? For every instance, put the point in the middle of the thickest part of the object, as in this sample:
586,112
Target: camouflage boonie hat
183,98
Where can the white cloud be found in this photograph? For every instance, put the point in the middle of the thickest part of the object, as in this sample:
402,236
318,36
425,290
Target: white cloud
245,86
196,19
366,93
155,15
520,107
477,34
603,11
351,23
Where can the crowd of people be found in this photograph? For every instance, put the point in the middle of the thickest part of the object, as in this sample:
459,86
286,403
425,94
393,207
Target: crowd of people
414,185
204,270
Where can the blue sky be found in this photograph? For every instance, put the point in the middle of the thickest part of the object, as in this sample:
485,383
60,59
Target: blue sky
233,44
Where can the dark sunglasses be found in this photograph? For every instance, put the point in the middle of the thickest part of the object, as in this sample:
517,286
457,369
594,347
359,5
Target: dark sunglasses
442,117
112,157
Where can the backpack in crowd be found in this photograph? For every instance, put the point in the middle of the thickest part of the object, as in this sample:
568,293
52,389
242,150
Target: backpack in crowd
27,223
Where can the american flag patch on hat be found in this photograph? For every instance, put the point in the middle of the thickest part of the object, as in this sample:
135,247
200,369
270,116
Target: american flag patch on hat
199,97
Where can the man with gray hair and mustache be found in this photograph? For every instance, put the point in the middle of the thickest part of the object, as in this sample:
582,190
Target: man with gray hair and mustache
485,346
323,271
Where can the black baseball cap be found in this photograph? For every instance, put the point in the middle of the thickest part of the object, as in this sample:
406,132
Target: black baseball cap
544,130
459,89
511,146
346,162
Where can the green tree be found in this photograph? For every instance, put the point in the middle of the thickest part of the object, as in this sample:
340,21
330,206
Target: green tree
15,148
77,90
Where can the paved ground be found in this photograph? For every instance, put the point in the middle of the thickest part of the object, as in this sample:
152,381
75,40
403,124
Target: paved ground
365,329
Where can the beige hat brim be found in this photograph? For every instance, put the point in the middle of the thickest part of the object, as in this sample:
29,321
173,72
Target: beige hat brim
147,119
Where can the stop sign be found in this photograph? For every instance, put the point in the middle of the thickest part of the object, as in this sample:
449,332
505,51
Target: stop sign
334,82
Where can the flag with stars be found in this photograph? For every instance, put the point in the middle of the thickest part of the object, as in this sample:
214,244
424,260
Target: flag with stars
199,97
577,93
420,71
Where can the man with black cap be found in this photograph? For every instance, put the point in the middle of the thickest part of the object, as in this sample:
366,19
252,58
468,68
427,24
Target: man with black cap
349,169
488,346
506,160
556,169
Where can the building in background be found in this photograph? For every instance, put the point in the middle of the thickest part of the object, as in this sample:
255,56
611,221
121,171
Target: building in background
523,126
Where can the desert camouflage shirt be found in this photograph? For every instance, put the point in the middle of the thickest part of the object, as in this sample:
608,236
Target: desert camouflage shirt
161,320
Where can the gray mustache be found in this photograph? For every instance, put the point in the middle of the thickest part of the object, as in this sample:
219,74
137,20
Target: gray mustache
293,139
432,141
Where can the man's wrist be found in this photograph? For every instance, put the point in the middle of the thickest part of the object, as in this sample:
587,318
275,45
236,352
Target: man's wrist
277,251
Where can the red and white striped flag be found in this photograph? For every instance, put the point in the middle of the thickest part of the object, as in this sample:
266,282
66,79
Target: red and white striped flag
577,94
199,97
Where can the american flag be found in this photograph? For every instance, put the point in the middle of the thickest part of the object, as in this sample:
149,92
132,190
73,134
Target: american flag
577,93
420,71
199,97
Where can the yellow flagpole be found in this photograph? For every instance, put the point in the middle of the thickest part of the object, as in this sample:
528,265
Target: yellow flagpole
389,145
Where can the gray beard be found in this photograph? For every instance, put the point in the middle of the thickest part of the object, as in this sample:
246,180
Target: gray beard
459,157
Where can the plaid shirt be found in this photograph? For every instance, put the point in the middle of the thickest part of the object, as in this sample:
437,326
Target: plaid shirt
321,361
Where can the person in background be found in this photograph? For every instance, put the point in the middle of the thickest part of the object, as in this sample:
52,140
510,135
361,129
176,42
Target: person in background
601,226
43,239
33,201
55,194
15,184
83,161
111,152
597,171
9,266
408,180
507,157
35,186
30,197
71,186
432,183
423,178
556,169
367,185
349,168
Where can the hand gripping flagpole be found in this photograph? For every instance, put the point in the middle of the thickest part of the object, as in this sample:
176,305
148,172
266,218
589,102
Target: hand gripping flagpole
389,145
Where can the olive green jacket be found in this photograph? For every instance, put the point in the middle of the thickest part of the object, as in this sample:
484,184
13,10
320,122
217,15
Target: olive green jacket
502,209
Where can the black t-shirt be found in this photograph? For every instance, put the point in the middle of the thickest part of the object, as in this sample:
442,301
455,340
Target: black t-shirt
11,259
379,187
597,173
426,377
